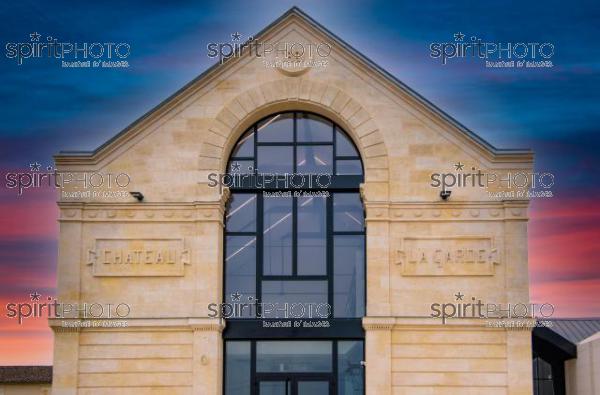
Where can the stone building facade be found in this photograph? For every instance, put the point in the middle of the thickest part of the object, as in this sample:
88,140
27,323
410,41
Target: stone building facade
421,249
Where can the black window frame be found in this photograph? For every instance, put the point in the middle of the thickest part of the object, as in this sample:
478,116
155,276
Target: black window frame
340,329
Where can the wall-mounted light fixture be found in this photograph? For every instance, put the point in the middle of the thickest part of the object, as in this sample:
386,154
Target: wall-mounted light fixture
137,195
445,194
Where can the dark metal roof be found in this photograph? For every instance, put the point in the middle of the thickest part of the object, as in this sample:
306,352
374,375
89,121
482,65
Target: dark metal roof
25,374
576,329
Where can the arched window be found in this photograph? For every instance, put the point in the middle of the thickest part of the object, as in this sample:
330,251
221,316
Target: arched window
294,260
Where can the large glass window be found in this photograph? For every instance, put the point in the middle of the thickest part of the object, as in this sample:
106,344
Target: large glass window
294,242
309,367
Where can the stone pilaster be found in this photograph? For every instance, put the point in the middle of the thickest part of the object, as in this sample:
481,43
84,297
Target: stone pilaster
378,355
207,365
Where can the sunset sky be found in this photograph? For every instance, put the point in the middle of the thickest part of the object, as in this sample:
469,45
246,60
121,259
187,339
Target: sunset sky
554,111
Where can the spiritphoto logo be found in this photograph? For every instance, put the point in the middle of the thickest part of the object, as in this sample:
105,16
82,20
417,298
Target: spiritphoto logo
476,308
253,307
519,184
71,54
251,178
496,54
89,182
284,53
50,307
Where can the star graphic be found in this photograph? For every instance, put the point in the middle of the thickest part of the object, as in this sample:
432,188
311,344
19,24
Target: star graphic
459,296
35,296
35,166
459,36
236,36
459,166
235,167
236,296
35,36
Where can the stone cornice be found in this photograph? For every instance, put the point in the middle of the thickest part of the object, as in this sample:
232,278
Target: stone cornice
144,324
378,323
208,211
446,211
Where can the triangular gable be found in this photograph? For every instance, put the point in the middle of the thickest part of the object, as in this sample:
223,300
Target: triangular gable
497,154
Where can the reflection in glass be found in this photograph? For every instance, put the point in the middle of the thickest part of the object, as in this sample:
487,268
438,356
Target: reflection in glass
275,159
313,128
245,146
240,269
349,276
293,356
275,388
241,215
348,167
309,299
350,370
343,145
312,236
313,387
277,128
347,213
277,236
314,159
237,369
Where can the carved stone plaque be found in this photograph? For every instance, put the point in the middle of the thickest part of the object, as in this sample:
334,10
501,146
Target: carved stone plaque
138,257
447,256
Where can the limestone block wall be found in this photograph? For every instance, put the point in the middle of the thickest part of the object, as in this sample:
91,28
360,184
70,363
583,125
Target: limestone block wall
171,346
114,361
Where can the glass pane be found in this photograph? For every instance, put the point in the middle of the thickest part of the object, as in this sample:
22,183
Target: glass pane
294,299
545,369
312,236
240,267
277,128
313,388
241,167
274,388
293,356
314,159
313,128
350,370
347,213
237,368
241,216
275,160
245,146
546,387
343,145
349,276
348,167
277,236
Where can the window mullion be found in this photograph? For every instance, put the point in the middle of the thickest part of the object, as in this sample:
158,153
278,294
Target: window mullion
329,250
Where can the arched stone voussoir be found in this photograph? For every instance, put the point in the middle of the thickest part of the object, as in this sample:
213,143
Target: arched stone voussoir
304,95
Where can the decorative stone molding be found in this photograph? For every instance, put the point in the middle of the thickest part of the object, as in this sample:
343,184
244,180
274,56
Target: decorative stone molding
211,211
378,323
207,324
296,93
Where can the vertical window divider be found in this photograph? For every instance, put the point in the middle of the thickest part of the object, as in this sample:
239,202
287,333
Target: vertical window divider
334,152
334,366
259,251
329,251
253,381
295,202
294,236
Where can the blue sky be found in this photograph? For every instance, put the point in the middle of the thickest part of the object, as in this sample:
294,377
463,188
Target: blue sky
554,111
